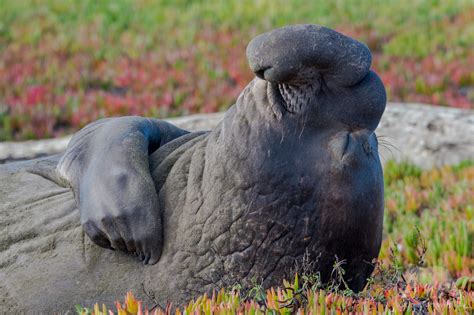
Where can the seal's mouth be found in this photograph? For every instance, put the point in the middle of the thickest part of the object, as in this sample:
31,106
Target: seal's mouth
297,96
291,98
276,100
291,93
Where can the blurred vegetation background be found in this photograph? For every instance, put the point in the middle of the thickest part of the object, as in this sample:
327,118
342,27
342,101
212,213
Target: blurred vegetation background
65,63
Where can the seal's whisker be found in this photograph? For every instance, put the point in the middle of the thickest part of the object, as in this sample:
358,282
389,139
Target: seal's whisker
388,148
387,144
387,140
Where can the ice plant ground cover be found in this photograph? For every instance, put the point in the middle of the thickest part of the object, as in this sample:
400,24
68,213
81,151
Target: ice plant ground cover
426,263
64,64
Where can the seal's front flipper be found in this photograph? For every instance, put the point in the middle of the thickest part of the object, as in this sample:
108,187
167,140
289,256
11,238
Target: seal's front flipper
107,166
47,168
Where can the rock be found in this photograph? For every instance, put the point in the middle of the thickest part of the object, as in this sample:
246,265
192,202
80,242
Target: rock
18,151
427,136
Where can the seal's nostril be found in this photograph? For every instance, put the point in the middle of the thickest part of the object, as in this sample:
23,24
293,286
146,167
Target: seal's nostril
261,72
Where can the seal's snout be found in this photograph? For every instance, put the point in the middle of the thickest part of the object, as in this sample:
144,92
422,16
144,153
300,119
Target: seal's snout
280,56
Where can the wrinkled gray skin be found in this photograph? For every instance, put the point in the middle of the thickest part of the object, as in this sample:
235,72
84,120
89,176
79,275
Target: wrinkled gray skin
292,169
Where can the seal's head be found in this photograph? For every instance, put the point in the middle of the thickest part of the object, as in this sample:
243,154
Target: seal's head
319,81
324,77
308,62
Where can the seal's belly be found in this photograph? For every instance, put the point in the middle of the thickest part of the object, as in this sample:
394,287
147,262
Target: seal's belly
32,211
38,220
47,263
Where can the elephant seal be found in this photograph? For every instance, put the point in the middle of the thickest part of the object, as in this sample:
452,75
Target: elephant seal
292,170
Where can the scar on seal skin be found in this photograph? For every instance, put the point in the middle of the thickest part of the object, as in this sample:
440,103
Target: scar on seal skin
292,169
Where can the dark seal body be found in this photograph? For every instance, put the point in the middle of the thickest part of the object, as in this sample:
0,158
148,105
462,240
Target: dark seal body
287,173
